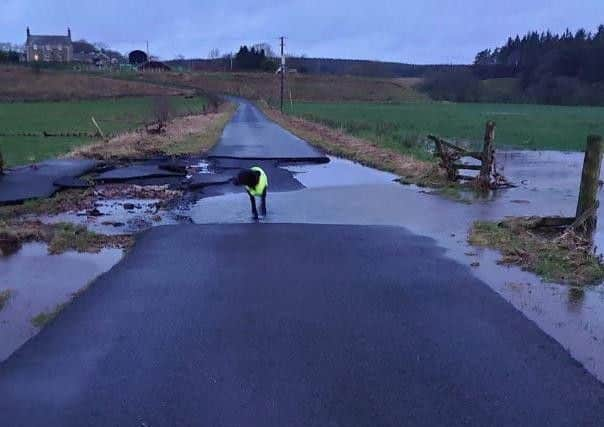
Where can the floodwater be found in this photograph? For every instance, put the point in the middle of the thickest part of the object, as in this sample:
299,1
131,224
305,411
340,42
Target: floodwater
352,194
119,216
343,192
39,282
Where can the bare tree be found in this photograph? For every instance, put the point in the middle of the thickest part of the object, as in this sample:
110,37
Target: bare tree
268,50
162,112
180,57
214,53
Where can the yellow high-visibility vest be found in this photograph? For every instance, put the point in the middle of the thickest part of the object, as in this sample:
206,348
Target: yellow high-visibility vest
262,183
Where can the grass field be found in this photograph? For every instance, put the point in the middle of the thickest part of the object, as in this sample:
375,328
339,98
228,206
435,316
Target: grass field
518,126
113,115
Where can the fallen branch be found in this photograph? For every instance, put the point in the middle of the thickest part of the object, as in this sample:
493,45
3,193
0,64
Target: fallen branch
580,221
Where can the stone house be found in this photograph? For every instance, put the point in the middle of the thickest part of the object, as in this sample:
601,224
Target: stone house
48,48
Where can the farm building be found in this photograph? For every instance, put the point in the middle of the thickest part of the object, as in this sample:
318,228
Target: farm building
48,48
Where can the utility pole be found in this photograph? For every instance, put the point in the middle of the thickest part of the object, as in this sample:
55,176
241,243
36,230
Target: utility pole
282,70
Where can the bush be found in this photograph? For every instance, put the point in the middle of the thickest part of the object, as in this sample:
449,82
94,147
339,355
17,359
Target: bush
455,85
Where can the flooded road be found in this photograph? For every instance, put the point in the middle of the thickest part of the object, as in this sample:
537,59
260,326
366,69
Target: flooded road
343,192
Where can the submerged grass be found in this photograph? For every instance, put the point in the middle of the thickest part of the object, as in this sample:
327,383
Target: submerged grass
61,237
5,295
66,236
43,318
564,260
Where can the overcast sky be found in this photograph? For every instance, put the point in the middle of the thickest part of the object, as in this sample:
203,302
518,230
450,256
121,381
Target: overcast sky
422,31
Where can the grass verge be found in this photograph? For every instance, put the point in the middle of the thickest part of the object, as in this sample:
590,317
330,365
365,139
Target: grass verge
43,318
60,237
562,259
412,169
192,134
5,295
63,201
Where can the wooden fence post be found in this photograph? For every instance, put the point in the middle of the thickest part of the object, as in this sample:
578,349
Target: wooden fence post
588,192
484,179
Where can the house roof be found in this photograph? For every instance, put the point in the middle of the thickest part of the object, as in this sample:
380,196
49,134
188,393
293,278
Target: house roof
54,40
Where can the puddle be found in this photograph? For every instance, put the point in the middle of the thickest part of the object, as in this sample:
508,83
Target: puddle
338,172
119,216
202,167
574,318
39,282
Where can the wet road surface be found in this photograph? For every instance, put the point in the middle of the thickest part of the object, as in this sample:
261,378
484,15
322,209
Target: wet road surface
250,135
291,324
298,324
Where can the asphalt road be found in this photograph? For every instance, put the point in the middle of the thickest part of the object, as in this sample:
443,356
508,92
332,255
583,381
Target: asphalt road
250,135
297,325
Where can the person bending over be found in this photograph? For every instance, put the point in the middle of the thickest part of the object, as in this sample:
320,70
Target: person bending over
255,182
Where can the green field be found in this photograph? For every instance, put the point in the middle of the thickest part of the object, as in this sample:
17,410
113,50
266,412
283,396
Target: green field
113,115
518,126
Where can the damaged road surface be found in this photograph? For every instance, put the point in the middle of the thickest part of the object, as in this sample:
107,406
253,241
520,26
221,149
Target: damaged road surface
297,325
38,181
292,324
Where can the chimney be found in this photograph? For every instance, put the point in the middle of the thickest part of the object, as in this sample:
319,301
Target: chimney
27,32
69,32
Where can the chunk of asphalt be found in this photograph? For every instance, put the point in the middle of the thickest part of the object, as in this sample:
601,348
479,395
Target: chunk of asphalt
72,182
38,180
136,172
176,166
207,179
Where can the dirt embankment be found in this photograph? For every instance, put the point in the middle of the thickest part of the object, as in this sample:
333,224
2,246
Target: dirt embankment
299,87
19,83
194,134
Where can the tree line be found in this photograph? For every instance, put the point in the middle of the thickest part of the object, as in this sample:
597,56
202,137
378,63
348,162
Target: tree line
253,59
10,56
579,55
547,68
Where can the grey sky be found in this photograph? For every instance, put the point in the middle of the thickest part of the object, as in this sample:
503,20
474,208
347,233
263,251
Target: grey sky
423,31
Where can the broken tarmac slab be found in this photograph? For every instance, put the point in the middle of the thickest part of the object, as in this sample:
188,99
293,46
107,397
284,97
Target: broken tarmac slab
72,182
38,180
136,171
206,179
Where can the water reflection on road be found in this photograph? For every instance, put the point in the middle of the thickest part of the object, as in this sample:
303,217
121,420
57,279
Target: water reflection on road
343,192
